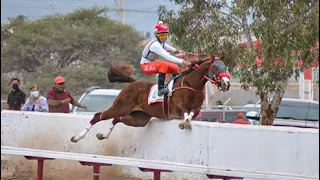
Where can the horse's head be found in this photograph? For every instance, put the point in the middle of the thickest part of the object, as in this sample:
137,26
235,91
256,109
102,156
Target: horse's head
218,72
215,72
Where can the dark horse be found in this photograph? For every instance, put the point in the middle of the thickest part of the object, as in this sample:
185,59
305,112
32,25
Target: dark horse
131,105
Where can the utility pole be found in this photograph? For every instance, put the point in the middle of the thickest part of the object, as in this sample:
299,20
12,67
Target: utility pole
122,11
120,3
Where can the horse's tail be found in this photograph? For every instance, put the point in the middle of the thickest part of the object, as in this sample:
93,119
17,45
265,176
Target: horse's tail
120,72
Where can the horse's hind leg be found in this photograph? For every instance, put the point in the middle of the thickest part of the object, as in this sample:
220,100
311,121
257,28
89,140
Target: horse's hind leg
138,119
101,136
135,118
112,112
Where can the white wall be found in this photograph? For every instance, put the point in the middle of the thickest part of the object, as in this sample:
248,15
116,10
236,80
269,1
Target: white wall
276,149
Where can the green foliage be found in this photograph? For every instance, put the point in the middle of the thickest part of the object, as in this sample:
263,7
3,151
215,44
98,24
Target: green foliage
287,29
5,87
79,46
83,36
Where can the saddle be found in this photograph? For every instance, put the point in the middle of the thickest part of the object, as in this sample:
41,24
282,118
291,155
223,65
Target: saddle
153,94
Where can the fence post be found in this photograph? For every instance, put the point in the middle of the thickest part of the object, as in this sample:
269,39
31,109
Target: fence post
96,168
40,165
156,172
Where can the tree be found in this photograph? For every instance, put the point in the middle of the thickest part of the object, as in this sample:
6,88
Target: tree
286,30
79,37
79,46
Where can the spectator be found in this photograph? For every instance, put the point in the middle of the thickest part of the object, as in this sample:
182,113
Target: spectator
240,119
59,98
219,104
16,98
35,101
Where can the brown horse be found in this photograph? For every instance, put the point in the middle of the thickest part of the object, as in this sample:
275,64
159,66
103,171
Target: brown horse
131,106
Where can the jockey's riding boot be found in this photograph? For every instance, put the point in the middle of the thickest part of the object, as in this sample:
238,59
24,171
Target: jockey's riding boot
161,87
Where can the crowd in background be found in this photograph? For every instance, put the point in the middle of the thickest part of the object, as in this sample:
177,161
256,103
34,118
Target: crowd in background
56,100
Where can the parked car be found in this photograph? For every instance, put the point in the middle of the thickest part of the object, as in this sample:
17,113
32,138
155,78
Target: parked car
251,107
292,112
96,99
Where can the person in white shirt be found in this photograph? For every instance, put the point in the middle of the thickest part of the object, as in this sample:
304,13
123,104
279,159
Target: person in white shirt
150,64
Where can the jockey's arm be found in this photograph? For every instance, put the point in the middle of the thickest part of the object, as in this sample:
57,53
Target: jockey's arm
169,48
158,49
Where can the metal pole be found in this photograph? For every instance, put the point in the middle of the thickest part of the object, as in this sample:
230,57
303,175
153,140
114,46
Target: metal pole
40,169
96,172
122,11
156,175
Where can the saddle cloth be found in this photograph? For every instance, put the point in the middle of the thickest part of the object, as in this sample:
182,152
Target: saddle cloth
153,94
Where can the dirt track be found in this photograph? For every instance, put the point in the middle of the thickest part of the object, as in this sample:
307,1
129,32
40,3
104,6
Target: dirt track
19,168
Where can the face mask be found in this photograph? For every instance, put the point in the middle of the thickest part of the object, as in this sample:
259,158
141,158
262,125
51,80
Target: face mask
35,93
15,86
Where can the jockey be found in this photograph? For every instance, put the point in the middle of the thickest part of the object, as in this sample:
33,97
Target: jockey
150,64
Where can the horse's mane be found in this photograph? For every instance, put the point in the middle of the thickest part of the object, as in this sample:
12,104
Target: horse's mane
199,62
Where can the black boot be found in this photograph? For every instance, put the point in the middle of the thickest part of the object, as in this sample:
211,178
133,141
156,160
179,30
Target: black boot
161,88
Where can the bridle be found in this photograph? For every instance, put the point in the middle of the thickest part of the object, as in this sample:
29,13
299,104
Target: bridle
213,79
195,67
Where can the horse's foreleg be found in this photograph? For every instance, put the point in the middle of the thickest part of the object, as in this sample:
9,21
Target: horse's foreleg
188,116
186,122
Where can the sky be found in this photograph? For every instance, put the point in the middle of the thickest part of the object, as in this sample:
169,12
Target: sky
144,20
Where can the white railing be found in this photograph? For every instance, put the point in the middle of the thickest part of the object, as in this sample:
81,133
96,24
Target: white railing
152,165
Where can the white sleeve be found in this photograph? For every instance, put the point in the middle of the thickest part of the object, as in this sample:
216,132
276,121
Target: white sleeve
158,49
169,48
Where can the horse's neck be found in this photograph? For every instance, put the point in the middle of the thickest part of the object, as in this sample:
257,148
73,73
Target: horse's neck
196,80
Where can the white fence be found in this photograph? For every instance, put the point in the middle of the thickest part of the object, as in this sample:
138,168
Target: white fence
151,164
284,151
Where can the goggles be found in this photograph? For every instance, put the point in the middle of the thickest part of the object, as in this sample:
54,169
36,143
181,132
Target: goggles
162,35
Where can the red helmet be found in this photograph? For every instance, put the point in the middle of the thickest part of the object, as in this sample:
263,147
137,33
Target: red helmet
161,28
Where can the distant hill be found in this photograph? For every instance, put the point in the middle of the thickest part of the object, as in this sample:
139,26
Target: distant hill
140,13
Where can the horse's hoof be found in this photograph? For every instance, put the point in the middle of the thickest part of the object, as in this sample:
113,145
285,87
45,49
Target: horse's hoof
74,139
181,126
188,126
100,136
